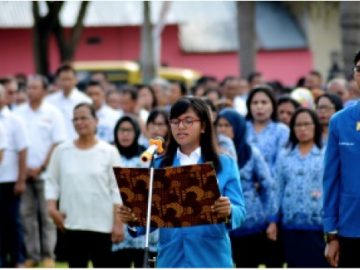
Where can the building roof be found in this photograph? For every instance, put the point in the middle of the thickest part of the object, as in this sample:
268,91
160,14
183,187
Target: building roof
204,26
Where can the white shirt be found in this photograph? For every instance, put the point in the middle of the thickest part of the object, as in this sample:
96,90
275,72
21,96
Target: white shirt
66,105
3,141
46,127
240,105
17,140
107,120
83,181
193,158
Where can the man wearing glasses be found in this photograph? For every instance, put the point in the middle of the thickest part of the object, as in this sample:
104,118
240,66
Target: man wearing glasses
342,185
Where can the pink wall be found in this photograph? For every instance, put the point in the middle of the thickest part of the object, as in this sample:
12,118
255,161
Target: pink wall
16,54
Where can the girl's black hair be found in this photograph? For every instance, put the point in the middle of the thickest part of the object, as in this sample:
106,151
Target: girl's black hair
208,144
154,114
268,91
334,99
135,149
293,141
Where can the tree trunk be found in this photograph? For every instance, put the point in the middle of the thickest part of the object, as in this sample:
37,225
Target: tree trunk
147,46
40,42
350,28
247,37
67,47
42,29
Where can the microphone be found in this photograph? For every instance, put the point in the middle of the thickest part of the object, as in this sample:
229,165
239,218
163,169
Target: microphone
156,146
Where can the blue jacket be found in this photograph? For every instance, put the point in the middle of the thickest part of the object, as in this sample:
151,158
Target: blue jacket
205,245
300,188
342,174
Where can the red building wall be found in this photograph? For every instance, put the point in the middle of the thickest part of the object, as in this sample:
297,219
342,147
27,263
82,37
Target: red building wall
16,54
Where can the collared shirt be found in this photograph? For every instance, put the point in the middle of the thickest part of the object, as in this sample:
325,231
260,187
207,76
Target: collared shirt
269,141
45,126
17,139
107,120
66,105
193,158
300,188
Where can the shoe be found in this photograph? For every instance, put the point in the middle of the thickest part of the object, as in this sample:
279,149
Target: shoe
48,263
30,264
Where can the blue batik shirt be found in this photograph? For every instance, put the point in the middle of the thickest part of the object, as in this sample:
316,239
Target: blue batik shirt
300,190
259,193
269,141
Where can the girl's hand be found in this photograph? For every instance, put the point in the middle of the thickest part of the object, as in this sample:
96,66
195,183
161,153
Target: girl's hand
126,215
222,207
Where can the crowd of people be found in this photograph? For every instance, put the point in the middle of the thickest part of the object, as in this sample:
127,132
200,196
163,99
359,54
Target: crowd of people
275,151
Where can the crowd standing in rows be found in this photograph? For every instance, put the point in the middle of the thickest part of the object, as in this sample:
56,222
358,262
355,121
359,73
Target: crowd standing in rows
58,145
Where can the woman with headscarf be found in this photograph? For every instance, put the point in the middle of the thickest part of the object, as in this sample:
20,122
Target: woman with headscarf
130,252
258,188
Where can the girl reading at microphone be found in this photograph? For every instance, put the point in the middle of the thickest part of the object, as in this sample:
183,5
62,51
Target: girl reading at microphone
192,141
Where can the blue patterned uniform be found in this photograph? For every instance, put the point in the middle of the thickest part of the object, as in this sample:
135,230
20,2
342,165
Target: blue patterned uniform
256,179
300,188
269,141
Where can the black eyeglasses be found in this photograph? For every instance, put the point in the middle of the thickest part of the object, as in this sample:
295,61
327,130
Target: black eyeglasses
356,68
187,122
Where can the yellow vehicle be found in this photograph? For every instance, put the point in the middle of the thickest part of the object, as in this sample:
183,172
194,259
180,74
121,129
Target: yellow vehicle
128,72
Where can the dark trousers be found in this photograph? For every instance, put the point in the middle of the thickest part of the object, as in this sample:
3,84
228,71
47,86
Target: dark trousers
304,248
12,249
85,246
274,253
247,251
349,252
130,257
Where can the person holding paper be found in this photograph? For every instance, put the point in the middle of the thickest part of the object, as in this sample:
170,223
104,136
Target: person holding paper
192,141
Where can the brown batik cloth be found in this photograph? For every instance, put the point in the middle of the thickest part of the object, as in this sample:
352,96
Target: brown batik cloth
182,196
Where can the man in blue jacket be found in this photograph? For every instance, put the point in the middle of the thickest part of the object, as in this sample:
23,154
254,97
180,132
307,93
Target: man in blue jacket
342,185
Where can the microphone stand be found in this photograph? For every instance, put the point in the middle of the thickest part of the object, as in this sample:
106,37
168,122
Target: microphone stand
146,263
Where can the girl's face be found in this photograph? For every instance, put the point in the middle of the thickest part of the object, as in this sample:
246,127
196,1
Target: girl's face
158,127
325,109
304,128
84,122
285,112
126,134
261,107
187,129
223,126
